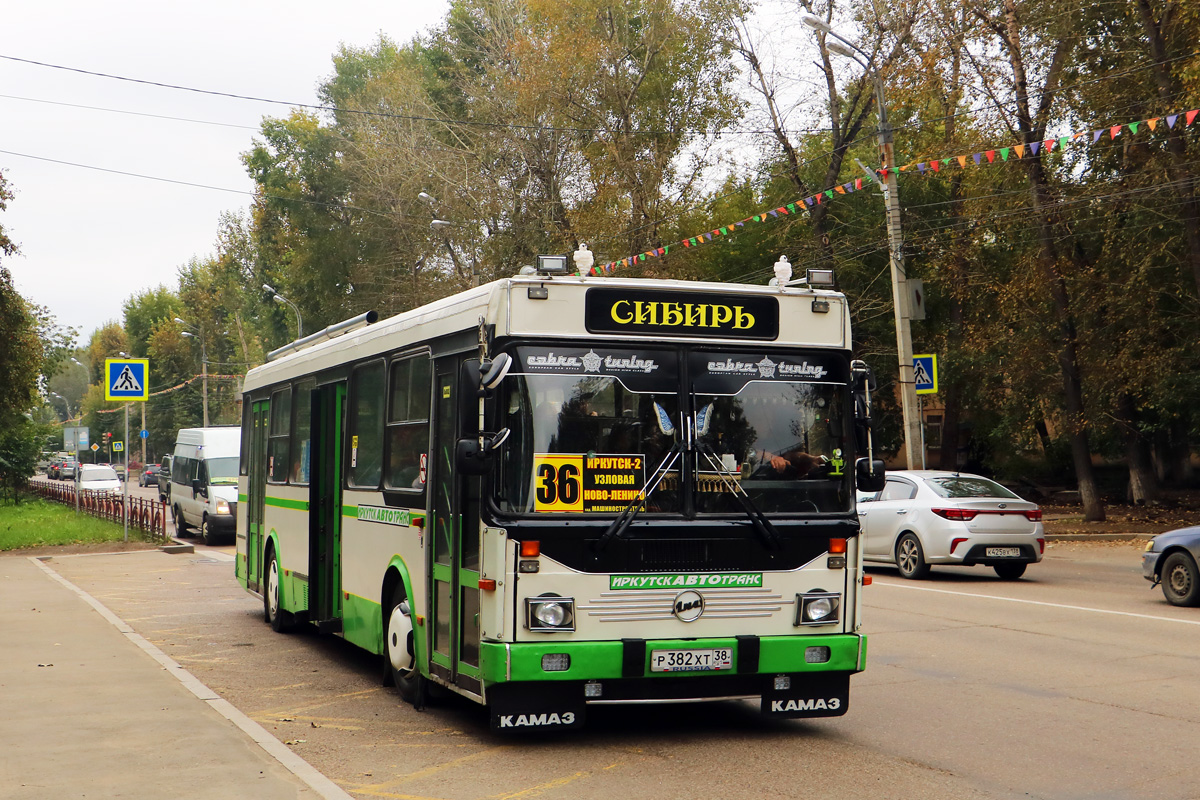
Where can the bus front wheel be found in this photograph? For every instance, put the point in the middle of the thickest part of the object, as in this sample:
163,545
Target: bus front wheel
281,621
399,652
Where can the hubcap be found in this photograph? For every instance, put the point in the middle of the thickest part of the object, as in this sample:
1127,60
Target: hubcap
273,588
1179,580
908,555
399,630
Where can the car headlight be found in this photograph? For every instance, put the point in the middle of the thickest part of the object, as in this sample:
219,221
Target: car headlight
818,608
222,506
1149,545
550,613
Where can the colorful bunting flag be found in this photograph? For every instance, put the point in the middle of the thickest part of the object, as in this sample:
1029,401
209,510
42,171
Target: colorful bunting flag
1171,120
1033,148
962,161
1019,149
1004,154
1133,127
1191,115
1114,130
991,156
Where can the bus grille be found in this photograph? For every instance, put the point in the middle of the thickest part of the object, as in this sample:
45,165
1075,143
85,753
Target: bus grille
645,605
690,554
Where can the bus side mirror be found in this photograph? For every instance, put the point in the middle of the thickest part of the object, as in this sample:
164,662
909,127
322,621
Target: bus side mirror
474,458
870,475
488,374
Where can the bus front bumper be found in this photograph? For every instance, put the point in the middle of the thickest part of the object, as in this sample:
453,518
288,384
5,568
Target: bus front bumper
549,684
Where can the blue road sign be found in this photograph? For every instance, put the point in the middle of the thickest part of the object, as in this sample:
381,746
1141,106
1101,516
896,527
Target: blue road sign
145,434
126,379
925,374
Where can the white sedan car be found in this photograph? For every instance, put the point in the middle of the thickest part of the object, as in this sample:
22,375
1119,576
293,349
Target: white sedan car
98,480
926,517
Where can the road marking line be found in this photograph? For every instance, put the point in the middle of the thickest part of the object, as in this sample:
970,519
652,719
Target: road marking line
1037,603
323,786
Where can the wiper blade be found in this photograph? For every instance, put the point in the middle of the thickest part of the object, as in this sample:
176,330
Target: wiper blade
620,525
766,531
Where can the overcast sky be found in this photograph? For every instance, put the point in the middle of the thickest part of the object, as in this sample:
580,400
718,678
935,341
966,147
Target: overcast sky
90,239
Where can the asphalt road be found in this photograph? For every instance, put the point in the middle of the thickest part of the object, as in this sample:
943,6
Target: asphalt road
1077,681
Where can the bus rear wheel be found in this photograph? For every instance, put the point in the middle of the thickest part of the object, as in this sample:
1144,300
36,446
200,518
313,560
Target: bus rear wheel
281,621
399,651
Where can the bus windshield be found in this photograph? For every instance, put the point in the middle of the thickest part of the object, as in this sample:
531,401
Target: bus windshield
775,425
588,427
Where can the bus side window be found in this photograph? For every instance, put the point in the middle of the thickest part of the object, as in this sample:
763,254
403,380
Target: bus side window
408,422
301,448
277,445
366,426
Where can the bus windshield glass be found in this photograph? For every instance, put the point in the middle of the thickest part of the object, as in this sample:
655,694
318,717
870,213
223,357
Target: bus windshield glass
776,426
589,426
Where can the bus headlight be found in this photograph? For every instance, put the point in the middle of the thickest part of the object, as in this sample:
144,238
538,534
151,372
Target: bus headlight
222,506
817,608
550,613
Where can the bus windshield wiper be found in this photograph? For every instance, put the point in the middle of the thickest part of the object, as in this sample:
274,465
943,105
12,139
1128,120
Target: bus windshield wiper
766,531
620,525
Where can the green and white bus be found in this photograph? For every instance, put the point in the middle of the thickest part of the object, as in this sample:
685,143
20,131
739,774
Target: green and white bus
553,491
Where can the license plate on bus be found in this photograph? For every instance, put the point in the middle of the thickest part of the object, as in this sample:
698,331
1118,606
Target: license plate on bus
716,658
1003,552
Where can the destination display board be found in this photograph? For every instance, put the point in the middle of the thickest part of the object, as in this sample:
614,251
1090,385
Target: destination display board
693,314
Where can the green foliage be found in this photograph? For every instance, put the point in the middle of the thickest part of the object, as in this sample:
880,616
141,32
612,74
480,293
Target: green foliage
40,523
21,442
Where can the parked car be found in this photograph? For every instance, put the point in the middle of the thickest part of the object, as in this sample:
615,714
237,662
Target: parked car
98,479
164,480
148,475
204,481
1170,560
68,469
926,517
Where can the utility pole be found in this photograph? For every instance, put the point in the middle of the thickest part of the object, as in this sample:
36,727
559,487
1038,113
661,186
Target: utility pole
913,448
913,433
199,336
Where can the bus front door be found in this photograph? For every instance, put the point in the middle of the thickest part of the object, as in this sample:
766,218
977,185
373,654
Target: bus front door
256,474
325,508
455,508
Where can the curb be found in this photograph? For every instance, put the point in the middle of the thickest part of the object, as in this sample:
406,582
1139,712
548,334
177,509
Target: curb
1100,537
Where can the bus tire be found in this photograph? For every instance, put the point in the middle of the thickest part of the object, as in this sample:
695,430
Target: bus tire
399,652
910,558
281,621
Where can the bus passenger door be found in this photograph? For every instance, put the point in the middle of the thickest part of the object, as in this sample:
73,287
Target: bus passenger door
455,516
256,478
325,508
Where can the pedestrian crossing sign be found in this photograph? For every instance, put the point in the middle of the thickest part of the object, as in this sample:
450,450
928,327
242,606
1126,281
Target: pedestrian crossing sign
925,374
126,379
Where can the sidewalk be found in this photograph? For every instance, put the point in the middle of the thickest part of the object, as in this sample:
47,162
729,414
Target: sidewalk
88,708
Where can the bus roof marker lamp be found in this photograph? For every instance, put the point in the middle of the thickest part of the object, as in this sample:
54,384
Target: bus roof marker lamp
552,265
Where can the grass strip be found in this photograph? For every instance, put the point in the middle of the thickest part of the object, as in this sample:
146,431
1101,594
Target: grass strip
40,523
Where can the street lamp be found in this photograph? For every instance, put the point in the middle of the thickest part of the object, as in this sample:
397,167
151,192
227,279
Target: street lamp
441,226
199,336
283,300
891,198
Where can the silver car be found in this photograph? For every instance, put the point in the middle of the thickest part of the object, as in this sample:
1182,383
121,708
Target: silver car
926,517
1170,559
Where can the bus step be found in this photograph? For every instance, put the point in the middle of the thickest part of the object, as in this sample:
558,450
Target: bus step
329,625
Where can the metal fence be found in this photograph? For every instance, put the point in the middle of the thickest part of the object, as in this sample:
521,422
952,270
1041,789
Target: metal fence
146,515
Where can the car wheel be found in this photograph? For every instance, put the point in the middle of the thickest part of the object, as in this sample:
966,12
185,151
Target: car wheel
181,527
910,558
1010,572
1181,580
281,621
206,532
399,650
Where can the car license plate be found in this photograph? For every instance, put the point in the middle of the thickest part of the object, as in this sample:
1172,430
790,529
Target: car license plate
1003,552
717,658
